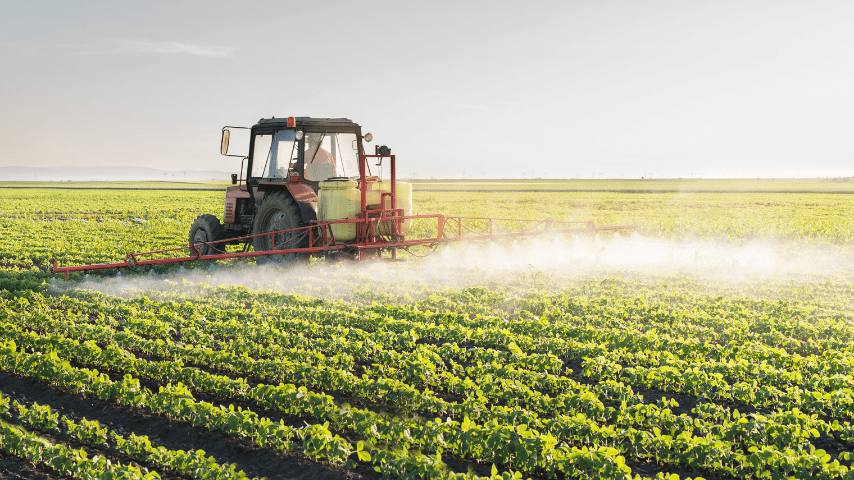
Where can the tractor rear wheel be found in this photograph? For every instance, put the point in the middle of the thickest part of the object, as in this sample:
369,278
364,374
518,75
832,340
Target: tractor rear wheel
206,230
279,211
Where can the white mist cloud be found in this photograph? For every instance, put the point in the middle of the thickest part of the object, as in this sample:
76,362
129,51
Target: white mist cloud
478,264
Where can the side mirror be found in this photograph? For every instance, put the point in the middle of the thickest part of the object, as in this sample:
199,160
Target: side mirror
223,149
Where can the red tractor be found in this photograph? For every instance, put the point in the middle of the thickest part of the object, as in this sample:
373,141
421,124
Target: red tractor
288,160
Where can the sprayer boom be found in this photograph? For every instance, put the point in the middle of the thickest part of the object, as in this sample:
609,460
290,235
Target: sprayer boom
321,238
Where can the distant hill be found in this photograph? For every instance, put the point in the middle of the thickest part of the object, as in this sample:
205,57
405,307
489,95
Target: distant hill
111,173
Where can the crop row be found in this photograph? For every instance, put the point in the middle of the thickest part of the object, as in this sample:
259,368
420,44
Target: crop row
193,463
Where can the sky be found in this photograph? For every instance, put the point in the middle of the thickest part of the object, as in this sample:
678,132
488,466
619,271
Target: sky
473,89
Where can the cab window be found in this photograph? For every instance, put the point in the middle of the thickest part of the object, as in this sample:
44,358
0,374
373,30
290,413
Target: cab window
331,155
274,154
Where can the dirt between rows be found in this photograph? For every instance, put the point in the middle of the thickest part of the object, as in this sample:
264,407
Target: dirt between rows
12,467
255,461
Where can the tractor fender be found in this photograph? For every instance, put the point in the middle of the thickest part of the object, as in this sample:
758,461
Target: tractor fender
305,198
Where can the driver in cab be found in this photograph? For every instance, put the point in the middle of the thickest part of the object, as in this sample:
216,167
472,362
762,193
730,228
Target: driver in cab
319,163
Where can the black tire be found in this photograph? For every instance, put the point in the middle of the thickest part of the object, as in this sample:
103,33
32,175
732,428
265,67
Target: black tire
206,229
279,211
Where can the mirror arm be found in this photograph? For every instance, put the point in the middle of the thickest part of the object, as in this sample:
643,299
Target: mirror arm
226,136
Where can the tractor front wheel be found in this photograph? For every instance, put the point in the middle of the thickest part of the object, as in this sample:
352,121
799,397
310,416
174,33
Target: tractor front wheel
205,231
279,211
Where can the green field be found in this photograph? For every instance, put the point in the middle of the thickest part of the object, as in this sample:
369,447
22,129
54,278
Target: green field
150,185
716,342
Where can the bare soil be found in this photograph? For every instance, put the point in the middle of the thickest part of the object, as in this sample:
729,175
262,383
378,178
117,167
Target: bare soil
12,467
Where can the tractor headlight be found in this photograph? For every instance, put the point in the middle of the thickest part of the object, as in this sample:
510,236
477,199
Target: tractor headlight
298,135
368,137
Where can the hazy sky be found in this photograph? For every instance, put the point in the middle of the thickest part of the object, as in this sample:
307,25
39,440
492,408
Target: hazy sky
486,89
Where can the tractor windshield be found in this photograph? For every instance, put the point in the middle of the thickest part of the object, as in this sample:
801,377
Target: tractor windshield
331,155
325,155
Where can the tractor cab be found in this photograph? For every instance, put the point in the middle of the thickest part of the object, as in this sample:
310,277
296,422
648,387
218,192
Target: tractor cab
302,149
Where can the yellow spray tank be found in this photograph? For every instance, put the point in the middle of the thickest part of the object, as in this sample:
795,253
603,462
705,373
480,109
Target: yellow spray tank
340,199
404,201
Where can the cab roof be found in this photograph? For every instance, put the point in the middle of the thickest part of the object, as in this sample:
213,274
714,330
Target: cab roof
300,120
